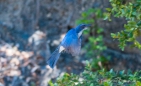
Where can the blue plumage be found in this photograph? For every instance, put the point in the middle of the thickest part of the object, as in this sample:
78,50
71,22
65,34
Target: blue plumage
53,58
71,44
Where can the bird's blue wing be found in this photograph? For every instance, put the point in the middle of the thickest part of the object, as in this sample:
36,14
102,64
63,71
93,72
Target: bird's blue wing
72,43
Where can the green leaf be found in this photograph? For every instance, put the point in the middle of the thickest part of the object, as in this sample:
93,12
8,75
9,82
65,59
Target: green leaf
50,83
84,14
108,9
113,35
91,84
138,83
107,16
121,72
111,71
139,23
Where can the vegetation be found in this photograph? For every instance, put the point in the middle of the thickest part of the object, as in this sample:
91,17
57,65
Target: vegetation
100,78
95,73
131,11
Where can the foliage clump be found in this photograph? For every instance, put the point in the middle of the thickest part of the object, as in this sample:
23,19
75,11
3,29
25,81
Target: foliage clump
100,78
131,11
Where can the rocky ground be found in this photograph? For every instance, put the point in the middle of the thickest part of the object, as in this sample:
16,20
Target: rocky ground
31,29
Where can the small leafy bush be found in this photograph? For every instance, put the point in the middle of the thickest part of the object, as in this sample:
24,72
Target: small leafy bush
131,11
100,78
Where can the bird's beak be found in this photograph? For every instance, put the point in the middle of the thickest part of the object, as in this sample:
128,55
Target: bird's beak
88,25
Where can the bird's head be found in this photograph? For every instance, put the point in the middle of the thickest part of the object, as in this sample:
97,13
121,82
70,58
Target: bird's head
81,27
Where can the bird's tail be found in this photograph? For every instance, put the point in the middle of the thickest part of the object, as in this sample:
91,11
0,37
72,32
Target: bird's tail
53,58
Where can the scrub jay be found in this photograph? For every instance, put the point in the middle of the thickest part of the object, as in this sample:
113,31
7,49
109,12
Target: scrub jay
71,44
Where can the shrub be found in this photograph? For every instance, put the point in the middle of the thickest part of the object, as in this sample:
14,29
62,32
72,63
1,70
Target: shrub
131,11
100,78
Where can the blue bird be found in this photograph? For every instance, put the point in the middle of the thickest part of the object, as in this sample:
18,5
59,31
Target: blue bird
71,44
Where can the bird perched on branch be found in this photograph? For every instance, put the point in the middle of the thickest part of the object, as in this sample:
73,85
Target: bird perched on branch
71,44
